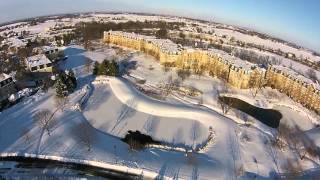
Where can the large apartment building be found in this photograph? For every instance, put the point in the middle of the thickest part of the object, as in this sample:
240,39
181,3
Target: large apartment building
236,72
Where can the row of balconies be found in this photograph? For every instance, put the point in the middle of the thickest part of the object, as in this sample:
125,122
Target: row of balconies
203,55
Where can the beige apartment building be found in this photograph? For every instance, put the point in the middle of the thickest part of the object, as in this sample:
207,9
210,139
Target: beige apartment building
236,72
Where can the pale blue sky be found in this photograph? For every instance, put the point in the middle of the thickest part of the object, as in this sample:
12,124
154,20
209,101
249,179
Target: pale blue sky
294,20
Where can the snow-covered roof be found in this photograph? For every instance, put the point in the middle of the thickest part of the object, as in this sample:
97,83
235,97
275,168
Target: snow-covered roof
15,42
296,75
172,48
4,76
37,60
165,45
237,62
48,48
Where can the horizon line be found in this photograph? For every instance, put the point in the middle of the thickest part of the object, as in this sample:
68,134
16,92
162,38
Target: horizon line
164,15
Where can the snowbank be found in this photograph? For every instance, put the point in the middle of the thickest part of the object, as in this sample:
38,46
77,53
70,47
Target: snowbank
100,164
131,97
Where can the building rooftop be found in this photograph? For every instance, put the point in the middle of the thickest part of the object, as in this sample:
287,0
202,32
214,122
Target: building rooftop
165,44
48,48
237,62
296,75
4,76
37,60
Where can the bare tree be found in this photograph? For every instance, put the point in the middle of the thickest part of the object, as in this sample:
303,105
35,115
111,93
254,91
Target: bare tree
256,84
225,104
282,135
61,102
45,120
85,134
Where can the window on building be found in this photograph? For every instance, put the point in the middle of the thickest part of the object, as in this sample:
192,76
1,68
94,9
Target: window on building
49,65
33,68
41,66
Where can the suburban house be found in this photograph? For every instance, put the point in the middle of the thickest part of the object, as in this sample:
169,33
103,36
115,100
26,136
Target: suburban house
49,50
39,63
7,86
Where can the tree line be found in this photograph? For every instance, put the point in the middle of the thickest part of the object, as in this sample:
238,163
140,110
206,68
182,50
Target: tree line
94,30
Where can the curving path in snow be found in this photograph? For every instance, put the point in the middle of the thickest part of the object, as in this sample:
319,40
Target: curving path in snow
130,96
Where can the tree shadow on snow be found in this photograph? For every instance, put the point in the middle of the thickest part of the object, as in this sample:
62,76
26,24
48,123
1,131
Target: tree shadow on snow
100,95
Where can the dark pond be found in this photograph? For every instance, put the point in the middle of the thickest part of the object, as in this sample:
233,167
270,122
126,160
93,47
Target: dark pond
269,117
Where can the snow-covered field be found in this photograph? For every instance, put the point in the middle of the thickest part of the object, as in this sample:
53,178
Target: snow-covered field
117,106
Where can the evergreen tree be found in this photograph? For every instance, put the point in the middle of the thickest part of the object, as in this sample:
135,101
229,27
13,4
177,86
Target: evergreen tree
61,88
73,80
96,68
103,68
113,69
65,84
106,68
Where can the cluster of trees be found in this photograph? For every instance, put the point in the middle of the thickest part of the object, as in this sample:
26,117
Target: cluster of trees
106,68
136,140
162,33
67,39
65,84
87,31
311,73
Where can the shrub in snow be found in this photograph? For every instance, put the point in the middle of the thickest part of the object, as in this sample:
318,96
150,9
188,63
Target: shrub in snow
137,140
